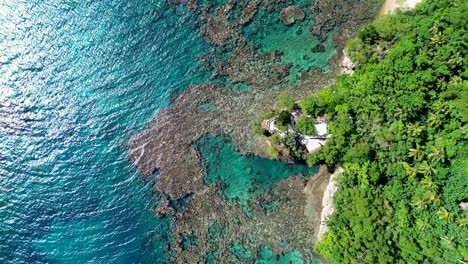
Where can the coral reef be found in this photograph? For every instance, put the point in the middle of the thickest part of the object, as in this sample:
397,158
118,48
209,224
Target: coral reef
293,216
164,147
289,15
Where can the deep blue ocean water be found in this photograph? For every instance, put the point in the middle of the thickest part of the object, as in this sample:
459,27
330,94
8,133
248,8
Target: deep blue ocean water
77,78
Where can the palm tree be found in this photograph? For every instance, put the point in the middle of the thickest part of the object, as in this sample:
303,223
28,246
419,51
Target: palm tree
447,241
419,204
416,153
445,215
433,120
415,129
463,221
426,169
456,60
432,198
428,184
437,39
399,114
410,171
436,201
436,155
422,224
440,108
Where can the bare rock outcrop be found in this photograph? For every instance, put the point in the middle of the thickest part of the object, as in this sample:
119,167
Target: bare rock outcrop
291,14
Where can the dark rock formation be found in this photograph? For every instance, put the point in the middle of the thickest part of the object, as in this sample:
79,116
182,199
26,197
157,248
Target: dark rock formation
295,216
164,208
318,48
349,15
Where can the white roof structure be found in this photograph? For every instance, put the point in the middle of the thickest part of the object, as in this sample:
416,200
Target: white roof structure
313,144
321,129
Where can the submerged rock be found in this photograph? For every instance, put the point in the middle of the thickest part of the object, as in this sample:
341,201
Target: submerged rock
291,14
164,208
318,48
219,225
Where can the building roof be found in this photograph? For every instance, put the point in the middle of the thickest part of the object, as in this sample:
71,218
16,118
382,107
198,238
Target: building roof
321,129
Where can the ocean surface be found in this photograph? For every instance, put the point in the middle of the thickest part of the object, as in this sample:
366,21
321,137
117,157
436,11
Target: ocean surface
77,79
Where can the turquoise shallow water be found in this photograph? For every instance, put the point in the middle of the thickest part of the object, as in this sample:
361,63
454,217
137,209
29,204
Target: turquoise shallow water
294,41
76,80
244,177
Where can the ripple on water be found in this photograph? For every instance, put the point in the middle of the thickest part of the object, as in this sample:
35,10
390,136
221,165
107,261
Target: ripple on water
76,79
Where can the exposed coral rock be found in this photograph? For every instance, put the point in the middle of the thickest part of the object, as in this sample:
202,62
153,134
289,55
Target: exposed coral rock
218,30
164,148
291,217
291,14
246,66
164,208
345,14
318,48
165,145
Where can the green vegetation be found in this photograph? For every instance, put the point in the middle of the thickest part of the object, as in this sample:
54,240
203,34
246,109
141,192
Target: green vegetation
306,125
284,102
262,132
273,152
287,142
399,130
293,146
283,120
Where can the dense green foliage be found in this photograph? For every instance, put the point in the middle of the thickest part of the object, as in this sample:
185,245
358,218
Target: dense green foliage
292,146
305,125
282,122
399,130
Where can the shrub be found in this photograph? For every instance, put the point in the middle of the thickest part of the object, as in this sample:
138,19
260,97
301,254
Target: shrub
263,132
368,34
273,152
305,125
283,119
284,101
312,160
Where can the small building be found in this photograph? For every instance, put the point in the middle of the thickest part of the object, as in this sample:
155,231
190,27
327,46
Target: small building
311,142
315,142
321,129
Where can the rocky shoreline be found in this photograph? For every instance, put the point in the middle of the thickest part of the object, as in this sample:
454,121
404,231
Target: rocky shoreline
328,207
164,148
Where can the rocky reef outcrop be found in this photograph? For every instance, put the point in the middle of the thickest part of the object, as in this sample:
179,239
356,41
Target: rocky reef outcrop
291,14
164,148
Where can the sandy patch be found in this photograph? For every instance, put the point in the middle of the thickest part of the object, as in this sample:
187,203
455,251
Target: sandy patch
392,5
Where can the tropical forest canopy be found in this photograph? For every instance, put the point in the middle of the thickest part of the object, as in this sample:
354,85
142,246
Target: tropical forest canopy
399,130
